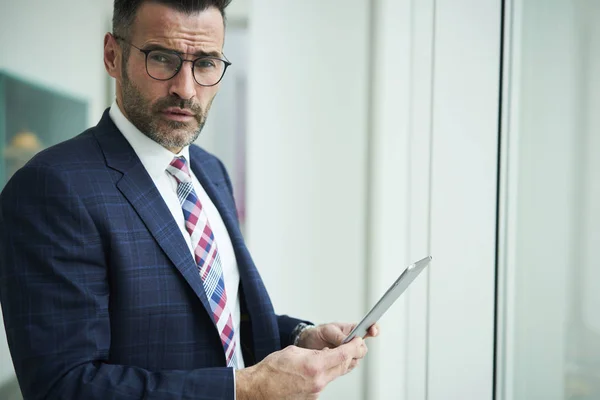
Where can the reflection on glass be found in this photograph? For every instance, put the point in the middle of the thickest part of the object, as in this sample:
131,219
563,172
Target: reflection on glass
23,146
31,118
551,324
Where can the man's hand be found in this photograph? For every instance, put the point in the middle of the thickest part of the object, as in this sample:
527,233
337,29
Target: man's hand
330,335
297,373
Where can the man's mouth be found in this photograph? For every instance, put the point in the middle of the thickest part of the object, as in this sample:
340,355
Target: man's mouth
179,114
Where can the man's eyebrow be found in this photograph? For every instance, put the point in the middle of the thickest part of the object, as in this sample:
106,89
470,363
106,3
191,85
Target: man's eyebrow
200,53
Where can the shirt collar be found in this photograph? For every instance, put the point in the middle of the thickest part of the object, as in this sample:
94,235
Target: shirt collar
154,157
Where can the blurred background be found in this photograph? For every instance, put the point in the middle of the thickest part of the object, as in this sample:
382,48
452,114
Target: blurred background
374,133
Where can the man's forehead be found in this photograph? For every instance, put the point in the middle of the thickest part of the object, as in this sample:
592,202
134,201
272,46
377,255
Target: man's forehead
155,19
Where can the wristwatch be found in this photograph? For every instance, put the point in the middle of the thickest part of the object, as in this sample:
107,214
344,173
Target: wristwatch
298,330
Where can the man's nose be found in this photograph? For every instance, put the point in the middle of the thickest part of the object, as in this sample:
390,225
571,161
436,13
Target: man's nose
183,84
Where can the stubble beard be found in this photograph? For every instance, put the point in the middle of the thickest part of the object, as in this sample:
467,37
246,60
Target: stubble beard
148,118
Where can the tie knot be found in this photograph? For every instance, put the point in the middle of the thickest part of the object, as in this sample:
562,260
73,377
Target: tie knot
179,169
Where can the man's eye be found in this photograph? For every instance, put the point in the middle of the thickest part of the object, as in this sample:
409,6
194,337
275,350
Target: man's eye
160,58
205,64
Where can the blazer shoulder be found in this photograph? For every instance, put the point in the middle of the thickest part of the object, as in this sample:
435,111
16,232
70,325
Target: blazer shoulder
207,161
211,165
202,155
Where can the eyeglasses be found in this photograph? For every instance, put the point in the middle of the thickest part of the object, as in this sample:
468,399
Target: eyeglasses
163,65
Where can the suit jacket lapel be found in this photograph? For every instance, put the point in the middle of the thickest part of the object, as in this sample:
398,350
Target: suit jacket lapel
139,189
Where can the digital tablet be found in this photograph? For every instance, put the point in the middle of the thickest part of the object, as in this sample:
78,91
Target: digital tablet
388,298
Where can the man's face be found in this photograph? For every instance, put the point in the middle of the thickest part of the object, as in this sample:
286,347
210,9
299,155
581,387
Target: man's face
171,112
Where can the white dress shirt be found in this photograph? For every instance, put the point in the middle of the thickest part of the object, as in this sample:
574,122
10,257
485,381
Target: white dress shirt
156,159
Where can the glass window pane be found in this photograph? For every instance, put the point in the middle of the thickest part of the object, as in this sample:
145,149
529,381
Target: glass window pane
33,117
551,298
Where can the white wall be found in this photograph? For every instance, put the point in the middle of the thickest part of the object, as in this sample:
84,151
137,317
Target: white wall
59,45
238,11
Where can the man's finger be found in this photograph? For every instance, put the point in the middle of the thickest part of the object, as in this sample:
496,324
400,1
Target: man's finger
373,331
343,359
347,328
339,337
336,333
353,365
337,361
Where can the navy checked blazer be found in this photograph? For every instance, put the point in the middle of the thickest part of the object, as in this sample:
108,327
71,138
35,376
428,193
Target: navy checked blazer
100,294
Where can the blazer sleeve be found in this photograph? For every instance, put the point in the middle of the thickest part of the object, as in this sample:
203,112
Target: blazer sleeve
54,292
286,328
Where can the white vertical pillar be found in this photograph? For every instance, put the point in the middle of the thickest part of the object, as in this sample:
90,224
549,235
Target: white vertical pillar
307,159
463,195
400,206
389,177
419,212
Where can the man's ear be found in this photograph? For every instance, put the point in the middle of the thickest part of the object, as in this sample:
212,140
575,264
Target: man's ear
112,56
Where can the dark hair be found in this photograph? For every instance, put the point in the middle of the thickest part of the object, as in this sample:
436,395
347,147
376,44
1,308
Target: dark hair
125,11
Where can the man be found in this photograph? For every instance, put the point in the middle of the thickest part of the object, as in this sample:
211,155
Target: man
123,273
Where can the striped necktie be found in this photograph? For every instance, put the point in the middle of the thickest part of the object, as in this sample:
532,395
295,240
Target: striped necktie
206,256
